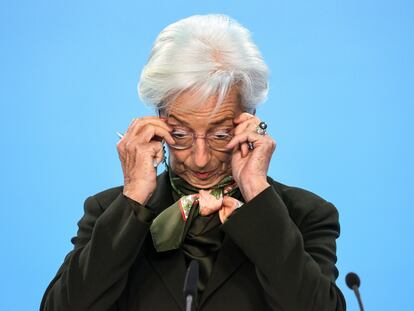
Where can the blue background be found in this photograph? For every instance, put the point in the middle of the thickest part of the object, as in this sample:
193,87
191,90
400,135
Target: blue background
339,107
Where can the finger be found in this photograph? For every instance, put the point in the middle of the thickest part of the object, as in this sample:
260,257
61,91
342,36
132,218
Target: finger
159,154
150,153
137,144
128,131
208,203
121,144
121,153
161,121
243,117
229,206
157,125
137,124
236,153
241,150
149,132
129,160
231,202
247,126
159,157
245,138
244,150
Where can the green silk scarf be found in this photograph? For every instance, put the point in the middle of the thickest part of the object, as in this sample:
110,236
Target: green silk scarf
169,227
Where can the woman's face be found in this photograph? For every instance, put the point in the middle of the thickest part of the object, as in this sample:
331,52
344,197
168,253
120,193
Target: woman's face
200,165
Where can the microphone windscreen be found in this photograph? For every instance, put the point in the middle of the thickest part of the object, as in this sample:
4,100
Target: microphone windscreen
191,279
352,279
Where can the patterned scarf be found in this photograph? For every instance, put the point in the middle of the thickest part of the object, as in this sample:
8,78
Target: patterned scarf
169,228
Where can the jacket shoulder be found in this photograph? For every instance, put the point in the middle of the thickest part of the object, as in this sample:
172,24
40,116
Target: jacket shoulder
107,196
303,204
296,195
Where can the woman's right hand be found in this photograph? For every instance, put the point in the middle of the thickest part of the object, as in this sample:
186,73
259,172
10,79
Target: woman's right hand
140,150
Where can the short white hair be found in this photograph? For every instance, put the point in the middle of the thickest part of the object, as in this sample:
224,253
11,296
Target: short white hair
208,54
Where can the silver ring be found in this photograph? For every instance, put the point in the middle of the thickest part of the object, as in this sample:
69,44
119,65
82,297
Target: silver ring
261,128
250,145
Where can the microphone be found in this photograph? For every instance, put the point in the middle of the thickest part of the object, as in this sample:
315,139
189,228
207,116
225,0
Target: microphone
353,282
190,284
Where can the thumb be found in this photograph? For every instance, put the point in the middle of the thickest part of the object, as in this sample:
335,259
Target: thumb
229,206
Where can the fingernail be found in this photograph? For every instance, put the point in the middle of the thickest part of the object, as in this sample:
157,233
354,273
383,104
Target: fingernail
154,163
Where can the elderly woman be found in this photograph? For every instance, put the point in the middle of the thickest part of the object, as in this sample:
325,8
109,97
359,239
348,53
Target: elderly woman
260,244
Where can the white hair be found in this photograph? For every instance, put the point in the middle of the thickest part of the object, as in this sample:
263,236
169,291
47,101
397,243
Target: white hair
208,54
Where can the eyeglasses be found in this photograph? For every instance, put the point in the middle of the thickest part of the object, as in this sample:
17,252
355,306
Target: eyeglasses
217,140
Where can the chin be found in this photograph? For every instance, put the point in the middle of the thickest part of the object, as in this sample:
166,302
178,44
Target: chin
203,183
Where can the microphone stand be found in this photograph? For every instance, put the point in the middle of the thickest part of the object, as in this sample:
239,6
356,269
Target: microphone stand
358,296
189,303
353,282
190,284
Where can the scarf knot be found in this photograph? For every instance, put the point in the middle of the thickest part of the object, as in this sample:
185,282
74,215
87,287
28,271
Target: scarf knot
168,229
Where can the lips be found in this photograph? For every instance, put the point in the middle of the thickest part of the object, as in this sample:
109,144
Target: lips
203,175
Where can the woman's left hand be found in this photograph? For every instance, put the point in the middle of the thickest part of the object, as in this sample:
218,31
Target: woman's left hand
249,167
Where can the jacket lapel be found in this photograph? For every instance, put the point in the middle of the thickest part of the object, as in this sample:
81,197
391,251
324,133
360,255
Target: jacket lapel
229,259
170,266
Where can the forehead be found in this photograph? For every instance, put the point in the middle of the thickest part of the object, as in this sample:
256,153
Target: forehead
185,107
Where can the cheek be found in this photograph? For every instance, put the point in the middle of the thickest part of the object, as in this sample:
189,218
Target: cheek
177,158
222,158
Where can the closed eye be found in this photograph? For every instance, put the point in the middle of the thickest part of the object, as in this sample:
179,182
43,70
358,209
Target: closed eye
180,134
221,136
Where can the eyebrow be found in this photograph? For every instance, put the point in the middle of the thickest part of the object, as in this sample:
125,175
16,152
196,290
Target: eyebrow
178,119
215,122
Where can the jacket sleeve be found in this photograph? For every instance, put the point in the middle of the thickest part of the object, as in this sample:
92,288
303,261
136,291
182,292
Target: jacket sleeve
295,264
95,272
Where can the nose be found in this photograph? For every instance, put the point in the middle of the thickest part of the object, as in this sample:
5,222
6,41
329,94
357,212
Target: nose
201,153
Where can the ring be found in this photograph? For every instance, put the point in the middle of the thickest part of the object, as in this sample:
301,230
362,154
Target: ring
261,128
250,145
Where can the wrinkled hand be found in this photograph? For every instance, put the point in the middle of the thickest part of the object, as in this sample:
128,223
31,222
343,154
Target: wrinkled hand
249,167
140,151
224,205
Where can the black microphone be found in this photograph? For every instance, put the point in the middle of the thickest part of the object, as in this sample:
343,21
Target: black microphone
353,282
190,284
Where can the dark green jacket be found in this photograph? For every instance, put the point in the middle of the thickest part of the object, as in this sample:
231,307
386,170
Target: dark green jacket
279,253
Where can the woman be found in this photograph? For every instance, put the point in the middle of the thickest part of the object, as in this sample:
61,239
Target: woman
261,245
